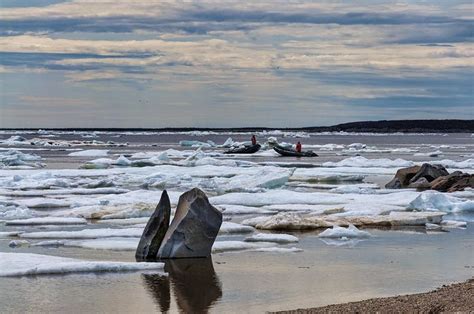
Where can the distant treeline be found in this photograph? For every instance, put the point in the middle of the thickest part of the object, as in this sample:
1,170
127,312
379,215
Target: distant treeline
383,126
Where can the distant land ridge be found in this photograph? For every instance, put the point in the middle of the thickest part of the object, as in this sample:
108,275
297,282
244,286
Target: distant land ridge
382,126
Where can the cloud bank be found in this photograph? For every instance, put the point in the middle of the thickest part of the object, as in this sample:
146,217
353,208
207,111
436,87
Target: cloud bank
233,64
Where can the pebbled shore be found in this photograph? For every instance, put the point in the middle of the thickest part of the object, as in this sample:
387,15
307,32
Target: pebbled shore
457,297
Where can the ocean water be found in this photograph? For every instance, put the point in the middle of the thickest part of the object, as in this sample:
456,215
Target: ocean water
392,261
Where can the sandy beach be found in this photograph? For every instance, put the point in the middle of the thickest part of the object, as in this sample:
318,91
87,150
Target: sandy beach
458,297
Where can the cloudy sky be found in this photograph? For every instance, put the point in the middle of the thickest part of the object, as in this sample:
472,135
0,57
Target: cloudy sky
117,63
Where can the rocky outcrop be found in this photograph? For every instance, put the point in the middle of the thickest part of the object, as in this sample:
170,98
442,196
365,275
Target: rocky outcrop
192,232
429,172
402,178
445,182
155,230
434,177
464,182
194,228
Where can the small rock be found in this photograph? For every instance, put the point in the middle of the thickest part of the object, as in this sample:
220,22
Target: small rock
17,243
420,184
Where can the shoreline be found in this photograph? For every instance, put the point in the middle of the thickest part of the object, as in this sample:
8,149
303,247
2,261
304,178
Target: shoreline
381,126
456,297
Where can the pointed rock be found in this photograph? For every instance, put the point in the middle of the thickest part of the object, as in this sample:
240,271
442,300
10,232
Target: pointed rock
402,177
194,228
155,230
430,172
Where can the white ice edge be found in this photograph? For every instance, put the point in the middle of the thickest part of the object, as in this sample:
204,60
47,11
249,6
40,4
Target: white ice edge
28,264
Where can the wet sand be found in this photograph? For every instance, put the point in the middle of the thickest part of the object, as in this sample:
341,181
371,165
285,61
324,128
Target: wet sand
457,297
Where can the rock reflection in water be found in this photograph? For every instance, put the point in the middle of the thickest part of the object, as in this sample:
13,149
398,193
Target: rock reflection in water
159,288
195,285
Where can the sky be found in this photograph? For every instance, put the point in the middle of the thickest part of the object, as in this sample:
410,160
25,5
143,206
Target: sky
154,64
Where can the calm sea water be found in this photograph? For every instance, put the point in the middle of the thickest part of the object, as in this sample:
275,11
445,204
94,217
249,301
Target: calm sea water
391,262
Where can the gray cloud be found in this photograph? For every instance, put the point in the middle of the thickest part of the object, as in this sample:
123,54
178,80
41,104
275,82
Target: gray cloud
156,63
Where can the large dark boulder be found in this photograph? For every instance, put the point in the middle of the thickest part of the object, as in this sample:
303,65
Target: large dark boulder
155,230
402,177
464,182
194,228
430,172
445,182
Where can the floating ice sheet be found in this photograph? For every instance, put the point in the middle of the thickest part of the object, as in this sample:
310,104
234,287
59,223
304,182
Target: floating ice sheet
338,232
47,221
436,201
272,237
84,234
90,153
27,264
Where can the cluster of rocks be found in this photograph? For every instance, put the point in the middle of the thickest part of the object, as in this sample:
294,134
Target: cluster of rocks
434,177
192,232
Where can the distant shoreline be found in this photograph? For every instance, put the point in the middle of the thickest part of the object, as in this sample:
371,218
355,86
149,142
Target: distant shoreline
383,126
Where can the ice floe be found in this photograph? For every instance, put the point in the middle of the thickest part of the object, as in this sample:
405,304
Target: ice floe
41,202
430,226
465,164
14,159
272,237
27,264
353,189
9,211
228,246
295,221
275,197
232,227
288,221
339,232
7,234
112,244
453,224
47,221
17,140
278,250
90,153
436,201
364,162
126,221
193,143
244,210
84,234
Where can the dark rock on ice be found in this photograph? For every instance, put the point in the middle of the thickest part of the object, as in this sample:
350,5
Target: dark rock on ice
430,172
402,177
445,182
465,182
194,228
155,230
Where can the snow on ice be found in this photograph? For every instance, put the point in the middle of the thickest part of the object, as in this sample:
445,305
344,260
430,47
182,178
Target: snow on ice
27,264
